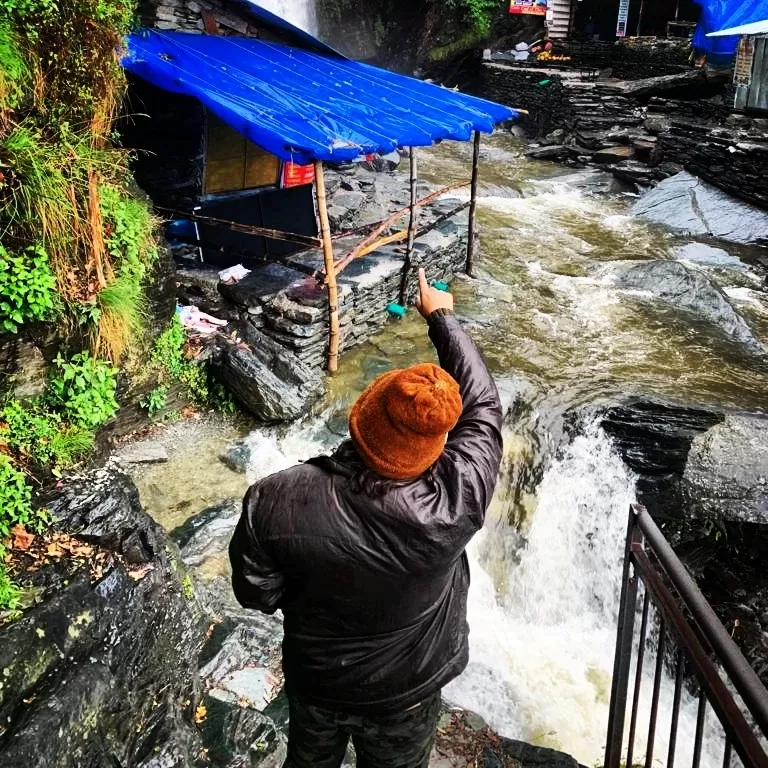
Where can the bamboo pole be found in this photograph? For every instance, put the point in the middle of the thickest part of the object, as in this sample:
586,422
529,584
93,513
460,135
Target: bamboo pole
389,221
333,296
411,229
473,207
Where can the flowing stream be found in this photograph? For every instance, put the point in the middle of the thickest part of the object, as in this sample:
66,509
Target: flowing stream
559,335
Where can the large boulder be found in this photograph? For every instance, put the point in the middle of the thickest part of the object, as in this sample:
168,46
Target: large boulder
268,380
690,290
103,669
686,203
726,476
654,438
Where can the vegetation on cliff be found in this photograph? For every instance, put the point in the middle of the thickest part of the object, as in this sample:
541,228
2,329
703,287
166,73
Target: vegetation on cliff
425,30
76,244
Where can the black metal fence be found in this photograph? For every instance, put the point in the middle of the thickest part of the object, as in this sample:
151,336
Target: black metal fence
692,640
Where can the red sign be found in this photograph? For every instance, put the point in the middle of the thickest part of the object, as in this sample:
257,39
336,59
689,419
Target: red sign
531,7
295,175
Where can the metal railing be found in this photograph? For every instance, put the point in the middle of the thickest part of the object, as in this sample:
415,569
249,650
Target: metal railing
696,642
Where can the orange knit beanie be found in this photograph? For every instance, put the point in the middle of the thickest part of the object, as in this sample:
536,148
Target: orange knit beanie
400,422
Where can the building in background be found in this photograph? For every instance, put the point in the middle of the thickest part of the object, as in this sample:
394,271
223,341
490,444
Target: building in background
609,20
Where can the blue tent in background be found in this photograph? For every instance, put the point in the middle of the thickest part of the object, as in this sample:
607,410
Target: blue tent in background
724,14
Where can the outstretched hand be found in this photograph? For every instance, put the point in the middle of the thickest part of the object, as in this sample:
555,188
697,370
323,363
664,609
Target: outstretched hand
430,299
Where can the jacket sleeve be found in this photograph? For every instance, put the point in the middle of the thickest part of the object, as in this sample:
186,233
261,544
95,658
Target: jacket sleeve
256,581
470,462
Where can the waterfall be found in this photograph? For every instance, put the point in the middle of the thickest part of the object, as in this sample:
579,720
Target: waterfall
543,618
299,12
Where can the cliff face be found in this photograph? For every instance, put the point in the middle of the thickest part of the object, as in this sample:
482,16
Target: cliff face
441,40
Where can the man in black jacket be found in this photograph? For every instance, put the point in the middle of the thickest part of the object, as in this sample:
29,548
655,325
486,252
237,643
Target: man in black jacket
364,554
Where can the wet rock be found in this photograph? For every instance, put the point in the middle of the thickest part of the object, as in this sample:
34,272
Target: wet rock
199,287
97,672
237,736
726,476
656,124
103,508
240,672
654,439
663,84
263,282
557,136
701,253
204,543
237,456
686,203
204,529
613,154
690,290
634,173
266,379
530,756
549,152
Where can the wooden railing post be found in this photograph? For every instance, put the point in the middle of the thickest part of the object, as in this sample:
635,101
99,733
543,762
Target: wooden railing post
330,273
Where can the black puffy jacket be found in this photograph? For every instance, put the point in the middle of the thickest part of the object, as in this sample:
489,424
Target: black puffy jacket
370,574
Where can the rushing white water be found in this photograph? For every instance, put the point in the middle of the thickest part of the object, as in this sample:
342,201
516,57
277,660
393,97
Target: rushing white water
298,12
543,629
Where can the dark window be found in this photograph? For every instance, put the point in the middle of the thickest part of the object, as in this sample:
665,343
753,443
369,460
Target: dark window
233,163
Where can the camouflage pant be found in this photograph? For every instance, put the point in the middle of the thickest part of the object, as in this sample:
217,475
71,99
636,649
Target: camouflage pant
318,738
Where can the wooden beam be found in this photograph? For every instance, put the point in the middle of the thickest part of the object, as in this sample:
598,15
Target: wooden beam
333,295
473,207
388,222
411,229
248,229
398,237
210,24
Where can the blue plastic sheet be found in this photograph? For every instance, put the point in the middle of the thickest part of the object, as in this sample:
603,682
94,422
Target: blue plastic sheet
724,14
301,105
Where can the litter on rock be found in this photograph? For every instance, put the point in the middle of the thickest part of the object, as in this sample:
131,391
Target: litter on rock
195,320
234,274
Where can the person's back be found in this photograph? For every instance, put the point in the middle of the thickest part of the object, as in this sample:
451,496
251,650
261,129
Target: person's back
364,554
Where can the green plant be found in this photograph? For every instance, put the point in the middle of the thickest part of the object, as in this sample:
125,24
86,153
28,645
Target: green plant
155,401
14,72
15,509
15,498
121,316
27,288
186,587
9,593
478,13
83,390
41,436
204,390
168,352
129,230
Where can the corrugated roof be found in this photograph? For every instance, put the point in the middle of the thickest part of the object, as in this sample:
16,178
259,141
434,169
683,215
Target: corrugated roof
302,105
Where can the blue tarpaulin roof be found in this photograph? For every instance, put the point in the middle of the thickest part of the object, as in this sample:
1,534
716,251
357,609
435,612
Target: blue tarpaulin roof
302,105
724,14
